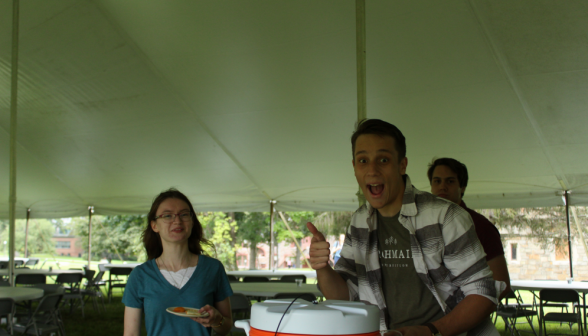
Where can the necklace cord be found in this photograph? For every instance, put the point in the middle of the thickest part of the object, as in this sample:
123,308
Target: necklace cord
175,284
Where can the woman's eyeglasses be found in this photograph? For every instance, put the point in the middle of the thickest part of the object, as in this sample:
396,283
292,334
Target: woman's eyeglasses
169,217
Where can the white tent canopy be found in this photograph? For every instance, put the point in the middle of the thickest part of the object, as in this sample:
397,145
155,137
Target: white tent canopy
237,103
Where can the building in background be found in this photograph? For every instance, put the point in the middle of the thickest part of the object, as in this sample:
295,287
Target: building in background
67,244
287,255
528,260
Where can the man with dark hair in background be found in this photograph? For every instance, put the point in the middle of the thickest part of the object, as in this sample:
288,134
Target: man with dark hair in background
449,179
414,255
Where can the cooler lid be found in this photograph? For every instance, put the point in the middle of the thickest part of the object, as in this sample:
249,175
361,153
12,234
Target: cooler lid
330,317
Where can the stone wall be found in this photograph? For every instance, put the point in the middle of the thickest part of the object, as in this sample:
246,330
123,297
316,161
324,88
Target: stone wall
534,262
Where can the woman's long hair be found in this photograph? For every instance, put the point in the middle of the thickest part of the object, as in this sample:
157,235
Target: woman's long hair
152,240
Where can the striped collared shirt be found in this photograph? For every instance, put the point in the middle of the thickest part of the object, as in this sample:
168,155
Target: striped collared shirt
447,255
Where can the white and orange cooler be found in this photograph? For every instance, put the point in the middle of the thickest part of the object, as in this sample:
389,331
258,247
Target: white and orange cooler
330,317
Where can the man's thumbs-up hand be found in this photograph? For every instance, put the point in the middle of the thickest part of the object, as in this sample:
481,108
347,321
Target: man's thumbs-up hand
319,248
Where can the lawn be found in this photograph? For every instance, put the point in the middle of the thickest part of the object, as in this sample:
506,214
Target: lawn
94,323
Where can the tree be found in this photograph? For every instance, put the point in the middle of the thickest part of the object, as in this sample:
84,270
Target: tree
253,229
547,226
333,223
62,225
217,229
297,223
113,235
39,237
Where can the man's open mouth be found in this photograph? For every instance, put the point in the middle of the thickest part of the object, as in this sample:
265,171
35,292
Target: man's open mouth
375,189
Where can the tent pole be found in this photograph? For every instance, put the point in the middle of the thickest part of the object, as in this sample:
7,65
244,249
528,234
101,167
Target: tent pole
13,114
360,54
90,211
26,250
360,50
271,250
567,195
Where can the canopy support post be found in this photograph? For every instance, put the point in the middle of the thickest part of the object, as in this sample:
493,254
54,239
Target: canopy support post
360,50
271,250
567,199
90,211
13,115
26,250
360,54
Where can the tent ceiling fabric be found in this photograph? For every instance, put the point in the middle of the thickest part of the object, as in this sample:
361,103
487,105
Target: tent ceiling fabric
238,103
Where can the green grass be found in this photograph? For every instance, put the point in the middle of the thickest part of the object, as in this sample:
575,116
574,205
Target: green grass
110,322
552,328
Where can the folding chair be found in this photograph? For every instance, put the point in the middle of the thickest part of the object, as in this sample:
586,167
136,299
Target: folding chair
92,290
255,279
561,296
7,308
30,279
510,313
240,310
304,296
50,288
73,291
98,282
26,309
519,301
553,304
116,271
292,278
32,262
45,320
89,276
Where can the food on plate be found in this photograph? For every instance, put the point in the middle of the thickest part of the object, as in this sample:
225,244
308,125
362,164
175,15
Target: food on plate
194,312
187,312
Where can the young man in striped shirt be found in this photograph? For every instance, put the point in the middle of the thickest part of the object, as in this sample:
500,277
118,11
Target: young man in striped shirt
415,256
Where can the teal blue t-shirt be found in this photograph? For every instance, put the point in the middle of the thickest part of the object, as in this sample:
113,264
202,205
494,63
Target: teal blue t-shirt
147,289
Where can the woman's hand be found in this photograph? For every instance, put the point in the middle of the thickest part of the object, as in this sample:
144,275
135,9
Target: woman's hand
219,317
214,317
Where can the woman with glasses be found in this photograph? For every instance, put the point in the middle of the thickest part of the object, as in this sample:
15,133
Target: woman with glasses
177,274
